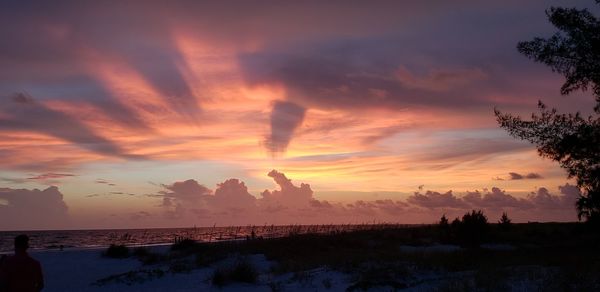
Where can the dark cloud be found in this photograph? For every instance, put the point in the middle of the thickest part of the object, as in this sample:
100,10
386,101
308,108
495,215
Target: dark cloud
230,197
23,113
517,176
537,202
436,200
286,117
320,204
469,148
496,199
50,178
105,182
362,208
68,39
392,72
50,175
22,209
543,199
391,207
186,191
570,194
348,76
160,65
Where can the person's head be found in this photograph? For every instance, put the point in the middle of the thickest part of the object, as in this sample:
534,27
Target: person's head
21,242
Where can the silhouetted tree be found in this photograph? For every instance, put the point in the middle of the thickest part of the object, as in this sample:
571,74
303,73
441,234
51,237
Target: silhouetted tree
444,222
570,139
473,228
455,223
444,229
504,222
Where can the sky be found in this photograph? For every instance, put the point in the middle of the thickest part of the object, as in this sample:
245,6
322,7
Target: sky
138,114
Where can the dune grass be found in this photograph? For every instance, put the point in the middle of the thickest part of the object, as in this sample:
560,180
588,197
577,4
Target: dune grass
552,256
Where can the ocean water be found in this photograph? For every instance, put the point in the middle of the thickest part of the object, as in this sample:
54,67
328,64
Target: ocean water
69,239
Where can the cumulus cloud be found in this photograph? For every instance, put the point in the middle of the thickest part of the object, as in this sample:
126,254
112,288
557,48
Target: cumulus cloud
185,191
22,209
542,198
518,176
232,202
496,199
286,117
538,202
232,193
288,194
570,193
361,207
320,204
377,207
433,199
189,197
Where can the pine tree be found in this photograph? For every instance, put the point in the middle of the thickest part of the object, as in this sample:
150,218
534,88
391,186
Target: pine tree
570,139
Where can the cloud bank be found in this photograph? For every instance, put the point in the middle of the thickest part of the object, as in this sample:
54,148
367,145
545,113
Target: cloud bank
22,209
291,203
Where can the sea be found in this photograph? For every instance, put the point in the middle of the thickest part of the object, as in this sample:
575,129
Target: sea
86,239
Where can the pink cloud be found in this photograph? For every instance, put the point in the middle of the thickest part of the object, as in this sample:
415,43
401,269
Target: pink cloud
22,209
433,199
288,194
232,193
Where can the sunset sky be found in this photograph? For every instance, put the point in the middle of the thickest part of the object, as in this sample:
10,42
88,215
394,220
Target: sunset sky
117,114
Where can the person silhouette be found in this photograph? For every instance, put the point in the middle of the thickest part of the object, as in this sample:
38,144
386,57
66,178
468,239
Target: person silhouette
21,272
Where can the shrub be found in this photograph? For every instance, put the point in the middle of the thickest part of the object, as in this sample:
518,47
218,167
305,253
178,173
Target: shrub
184,244
473,228
241,272
444,221
146,256
504,222
455,223
117,251
445,233
219,277
180,266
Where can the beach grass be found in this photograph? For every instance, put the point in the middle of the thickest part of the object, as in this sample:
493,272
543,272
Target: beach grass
563,256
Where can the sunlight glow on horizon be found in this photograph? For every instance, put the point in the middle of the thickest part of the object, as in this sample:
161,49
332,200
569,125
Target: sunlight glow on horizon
349,107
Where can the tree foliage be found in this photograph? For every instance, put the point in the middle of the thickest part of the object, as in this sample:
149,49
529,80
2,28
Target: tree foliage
504,222
573,51
570,139
473,228
444,221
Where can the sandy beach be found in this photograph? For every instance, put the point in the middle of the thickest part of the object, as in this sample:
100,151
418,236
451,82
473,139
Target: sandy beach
80,270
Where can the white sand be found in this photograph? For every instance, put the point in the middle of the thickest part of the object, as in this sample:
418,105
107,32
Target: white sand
77,270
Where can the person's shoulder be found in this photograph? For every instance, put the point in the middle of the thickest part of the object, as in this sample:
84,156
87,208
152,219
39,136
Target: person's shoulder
32,260
10,260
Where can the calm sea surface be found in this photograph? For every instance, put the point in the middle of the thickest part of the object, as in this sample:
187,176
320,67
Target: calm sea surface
68,239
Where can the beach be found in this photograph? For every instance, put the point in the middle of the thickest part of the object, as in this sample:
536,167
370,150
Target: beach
524,257
80,270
